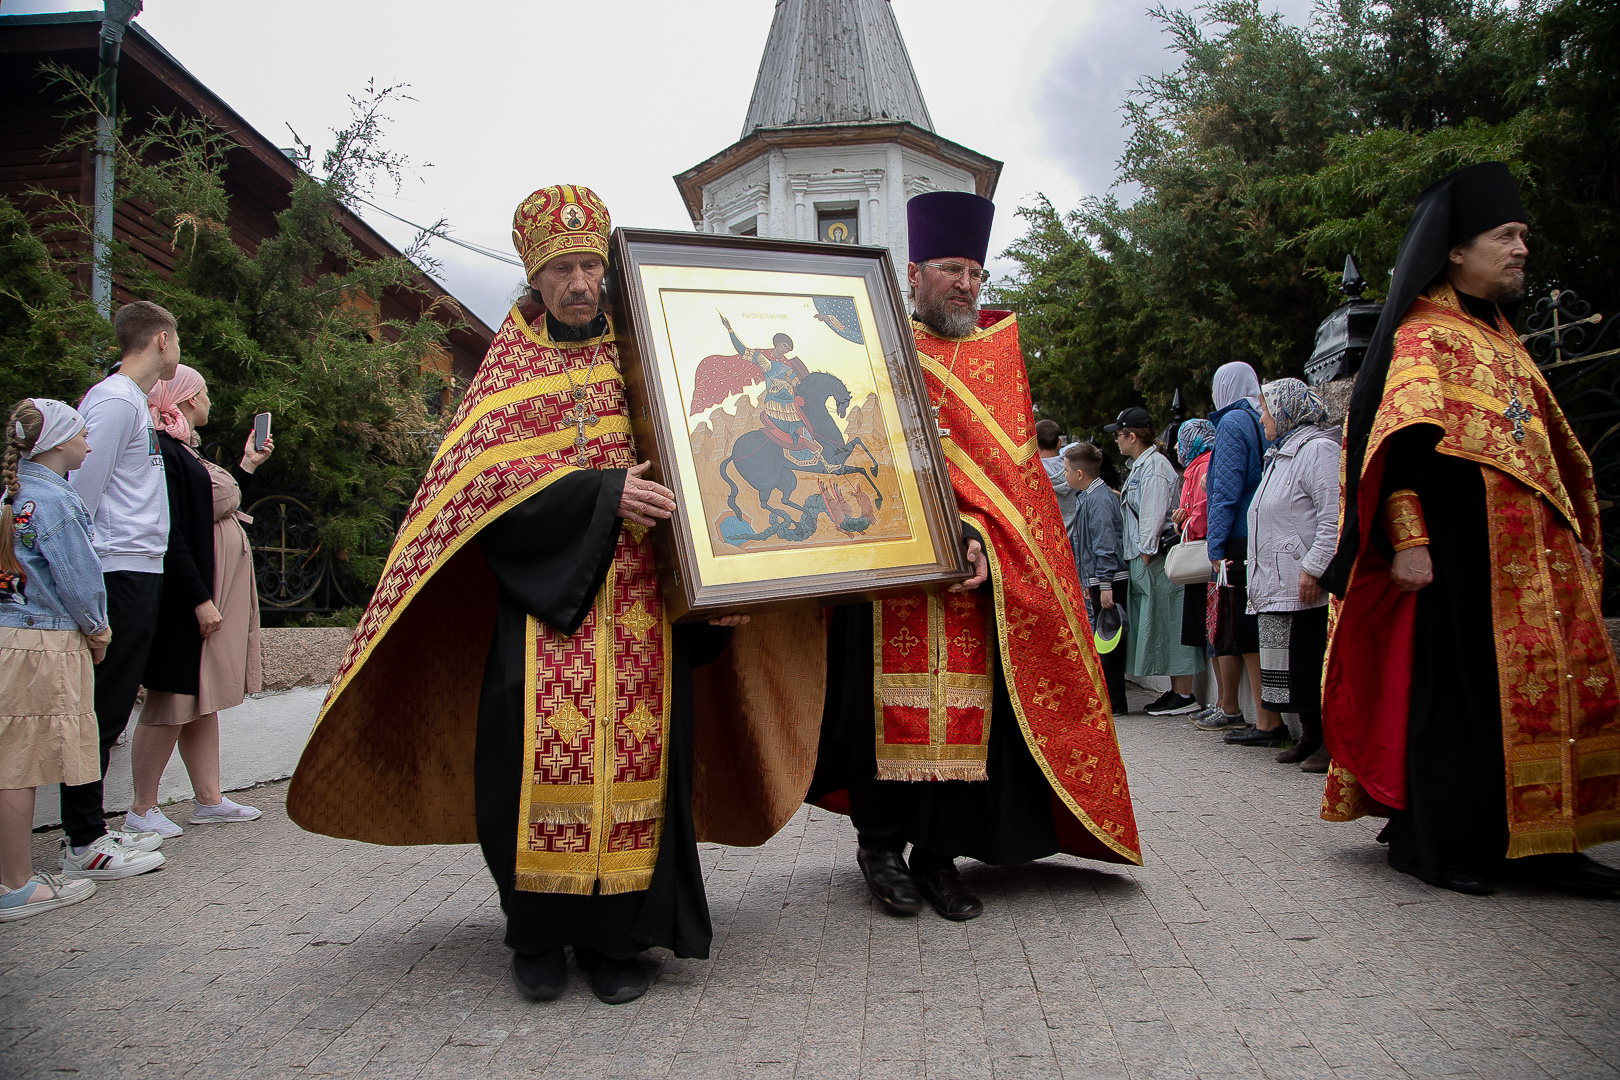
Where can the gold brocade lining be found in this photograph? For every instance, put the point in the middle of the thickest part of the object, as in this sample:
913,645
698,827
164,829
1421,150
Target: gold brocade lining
1019,454
605,802
543,338
416,586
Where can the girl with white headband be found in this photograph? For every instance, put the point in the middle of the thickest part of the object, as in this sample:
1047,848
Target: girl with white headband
53,630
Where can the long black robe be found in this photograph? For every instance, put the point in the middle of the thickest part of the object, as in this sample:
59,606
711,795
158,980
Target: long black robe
1456,816
550,554
1003,820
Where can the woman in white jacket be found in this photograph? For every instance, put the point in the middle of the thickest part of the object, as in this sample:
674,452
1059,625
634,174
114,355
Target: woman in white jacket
1293,529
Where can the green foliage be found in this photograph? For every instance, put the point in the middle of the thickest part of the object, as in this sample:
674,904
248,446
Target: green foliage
288,328
1272,151
48,333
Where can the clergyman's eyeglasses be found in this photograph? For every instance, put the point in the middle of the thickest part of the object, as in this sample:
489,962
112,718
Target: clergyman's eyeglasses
953,270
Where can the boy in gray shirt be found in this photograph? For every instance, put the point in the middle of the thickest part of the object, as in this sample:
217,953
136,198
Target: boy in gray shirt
121,483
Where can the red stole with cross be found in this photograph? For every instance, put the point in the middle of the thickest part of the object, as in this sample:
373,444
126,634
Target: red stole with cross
935,667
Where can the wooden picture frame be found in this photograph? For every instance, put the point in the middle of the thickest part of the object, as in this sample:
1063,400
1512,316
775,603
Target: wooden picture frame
806,471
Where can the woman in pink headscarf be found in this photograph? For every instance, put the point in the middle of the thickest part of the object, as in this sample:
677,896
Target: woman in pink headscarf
205,654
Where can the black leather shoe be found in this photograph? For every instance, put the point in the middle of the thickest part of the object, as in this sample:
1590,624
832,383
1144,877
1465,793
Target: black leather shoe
540,976
949,896
614,982
1253,736
1457,880
1570,872
889,880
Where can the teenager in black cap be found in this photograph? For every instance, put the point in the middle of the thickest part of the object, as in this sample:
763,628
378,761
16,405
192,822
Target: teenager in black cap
1470,690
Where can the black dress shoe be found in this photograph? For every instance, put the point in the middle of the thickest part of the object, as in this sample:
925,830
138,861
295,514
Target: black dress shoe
613,981
889,880
949,896
1253,736
540,976
1569,872
1457,880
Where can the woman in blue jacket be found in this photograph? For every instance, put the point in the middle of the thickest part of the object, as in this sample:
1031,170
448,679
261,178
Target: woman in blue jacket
1235,468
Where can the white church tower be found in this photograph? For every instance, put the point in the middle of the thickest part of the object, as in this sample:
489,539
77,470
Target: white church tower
837,138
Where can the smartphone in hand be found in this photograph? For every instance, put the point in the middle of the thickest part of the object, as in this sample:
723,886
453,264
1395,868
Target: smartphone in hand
261,430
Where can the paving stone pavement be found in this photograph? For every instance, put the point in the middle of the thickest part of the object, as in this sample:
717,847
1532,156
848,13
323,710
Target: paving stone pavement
1256,941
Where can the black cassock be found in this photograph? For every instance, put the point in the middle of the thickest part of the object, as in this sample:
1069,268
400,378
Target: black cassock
550,554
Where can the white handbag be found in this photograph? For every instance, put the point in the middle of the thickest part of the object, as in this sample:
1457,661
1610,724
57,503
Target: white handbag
1188,562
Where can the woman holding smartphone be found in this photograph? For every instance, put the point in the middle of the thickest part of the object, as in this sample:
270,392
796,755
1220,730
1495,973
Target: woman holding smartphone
205,656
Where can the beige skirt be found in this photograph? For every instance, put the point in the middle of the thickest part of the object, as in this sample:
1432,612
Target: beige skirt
48,732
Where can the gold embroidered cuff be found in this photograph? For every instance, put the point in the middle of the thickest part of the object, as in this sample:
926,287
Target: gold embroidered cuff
1403,520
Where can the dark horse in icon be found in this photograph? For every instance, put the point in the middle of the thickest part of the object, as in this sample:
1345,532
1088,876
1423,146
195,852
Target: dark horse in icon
765,466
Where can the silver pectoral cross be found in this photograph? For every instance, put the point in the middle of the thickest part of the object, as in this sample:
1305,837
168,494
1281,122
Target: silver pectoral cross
1517,414
580,417
944,432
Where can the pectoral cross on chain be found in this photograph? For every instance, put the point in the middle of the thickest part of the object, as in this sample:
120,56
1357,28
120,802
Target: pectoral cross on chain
581,418
1517,413
944,432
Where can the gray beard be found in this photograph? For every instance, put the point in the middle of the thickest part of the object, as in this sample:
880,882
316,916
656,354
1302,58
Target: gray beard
946,323
1507,293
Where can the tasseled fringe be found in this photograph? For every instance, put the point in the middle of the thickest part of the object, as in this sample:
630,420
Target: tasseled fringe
562,813
1598,832
626,881
1545,842
550,881
930,770
638,810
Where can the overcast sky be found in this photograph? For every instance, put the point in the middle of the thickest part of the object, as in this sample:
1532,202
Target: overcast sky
620,95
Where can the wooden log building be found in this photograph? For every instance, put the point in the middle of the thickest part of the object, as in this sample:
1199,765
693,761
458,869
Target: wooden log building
151,83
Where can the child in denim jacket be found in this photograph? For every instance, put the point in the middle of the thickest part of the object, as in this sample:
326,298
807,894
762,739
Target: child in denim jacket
53,628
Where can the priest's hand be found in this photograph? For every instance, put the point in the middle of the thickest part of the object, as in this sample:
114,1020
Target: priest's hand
980,565
1411,569
729,620
644,501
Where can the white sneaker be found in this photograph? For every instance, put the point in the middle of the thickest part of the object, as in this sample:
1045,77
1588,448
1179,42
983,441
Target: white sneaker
107,860
20,903
136,841
154,820
203,814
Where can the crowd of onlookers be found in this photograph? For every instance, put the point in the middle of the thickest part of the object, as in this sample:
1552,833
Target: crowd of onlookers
1250,496
123,564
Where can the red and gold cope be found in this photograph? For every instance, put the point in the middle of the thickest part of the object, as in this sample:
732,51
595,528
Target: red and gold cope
935,653
1557,677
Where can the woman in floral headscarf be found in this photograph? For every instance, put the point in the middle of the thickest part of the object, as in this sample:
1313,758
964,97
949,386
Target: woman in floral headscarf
1293,529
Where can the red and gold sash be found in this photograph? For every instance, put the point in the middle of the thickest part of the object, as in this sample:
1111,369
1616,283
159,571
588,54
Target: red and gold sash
1036,612
934,684
1557,674
596,730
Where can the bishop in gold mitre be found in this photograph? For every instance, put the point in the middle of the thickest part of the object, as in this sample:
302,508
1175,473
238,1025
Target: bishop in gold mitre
1470,688
515,679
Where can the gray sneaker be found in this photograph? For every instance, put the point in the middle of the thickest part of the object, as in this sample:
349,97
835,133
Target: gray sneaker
1216,720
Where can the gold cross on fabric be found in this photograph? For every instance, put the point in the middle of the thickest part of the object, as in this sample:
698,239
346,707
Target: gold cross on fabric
1518,414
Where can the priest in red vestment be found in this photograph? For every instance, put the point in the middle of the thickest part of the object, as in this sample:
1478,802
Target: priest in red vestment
973,722
1470,688
515,679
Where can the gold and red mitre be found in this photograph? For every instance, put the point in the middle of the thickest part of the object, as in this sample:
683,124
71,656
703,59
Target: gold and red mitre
1036,610
557,220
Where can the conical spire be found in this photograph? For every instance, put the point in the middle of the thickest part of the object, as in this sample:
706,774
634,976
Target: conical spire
833,62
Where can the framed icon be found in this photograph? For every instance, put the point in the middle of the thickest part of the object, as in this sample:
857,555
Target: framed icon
775,385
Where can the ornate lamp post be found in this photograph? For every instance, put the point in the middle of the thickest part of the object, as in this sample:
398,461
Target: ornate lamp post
1341,339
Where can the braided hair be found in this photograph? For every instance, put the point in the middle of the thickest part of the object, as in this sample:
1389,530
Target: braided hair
23,426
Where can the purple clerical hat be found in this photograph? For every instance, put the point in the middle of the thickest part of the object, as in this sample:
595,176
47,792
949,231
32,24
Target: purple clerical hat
949,225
